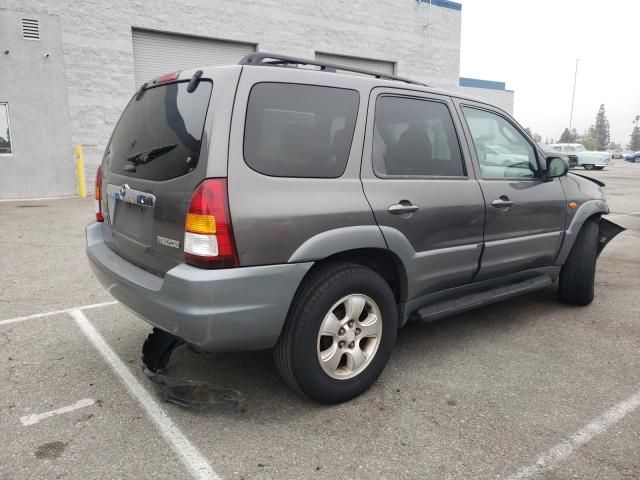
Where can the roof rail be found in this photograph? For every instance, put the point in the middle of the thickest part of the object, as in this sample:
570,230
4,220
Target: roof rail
274,60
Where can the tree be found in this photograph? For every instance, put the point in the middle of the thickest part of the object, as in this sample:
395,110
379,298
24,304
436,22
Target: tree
589,140
614,146
569,136
537,137
574,137
601,129
634,144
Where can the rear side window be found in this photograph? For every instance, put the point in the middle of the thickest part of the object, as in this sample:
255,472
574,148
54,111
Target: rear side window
296,130
159,134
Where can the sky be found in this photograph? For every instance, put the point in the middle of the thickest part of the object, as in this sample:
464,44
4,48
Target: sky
533,46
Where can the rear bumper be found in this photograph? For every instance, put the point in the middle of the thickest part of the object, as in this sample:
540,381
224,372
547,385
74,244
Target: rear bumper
216,310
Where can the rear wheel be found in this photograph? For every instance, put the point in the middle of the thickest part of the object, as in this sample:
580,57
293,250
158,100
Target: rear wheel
339,333
577,276
588,167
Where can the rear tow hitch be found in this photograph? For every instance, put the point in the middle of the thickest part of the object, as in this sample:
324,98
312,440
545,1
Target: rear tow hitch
156,352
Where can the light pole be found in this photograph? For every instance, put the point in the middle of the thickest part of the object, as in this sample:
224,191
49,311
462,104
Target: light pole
573,98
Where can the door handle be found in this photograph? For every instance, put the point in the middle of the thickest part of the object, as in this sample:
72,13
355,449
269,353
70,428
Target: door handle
502,202
405,206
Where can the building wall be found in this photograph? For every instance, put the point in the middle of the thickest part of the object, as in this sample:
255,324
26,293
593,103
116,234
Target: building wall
500,98
423,40
41,164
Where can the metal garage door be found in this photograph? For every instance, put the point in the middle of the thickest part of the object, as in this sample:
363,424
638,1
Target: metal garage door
155,53
382,66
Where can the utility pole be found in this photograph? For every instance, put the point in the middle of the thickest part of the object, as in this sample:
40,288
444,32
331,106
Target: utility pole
573,98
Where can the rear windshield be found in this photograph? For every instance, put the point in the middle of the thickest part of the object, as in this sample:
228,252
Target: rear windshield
159,134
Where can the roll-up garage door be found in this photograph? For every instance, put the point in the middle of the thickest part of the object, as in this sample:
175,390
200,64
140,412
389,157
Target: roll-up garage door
155,53
381,66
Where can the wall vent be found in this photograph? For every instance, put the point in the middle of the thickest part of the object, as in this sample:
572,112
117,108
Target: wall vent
30,29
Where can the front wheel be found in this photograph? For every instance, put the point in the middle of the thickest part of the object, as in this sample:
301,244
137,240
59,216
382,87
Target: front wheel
577,276
599,168
339,333
588,167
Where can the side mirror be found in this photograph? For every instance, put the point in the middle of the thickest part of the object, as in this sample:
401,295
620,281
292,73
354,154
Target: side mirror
557,167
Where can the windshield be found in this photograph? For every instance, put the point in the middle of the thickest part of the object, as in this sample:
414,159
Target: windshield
159,134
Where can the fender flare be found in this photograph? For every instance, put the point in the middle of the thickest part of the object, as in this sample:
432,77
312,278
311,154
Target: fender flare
337,240
585,211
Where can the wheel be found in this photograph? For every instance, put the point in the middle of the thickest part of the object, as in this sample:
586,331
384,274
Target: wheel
578,273
339,333
599,168
588,167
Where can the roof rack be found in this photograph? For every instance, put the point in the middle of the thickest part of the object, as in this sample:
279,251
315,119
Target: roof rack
273,60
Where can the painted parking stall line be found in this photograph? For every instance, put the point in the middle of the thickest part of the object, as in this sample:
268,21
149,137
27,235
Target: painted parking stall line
195,462
37,417
565,448
55,312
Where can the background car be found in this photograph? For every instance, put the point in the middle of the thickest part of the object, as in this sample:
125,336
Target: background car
589,160
572,160
633,158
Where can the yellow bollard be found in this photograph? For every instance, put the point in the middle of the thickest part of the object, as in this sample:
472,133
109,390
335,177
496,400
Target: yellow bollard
82,188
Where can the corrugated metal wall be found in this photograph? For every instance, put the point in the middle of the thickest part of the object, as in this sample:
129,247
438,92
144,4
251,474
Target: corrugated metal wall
155,53
381,66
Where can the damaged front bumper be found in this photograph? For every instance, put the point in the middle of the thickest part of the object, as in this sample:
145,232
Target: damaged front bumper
607,231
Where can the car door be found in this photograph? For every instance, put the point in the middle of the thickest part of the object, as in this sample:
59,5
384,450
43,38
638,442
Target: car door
525,218
422,190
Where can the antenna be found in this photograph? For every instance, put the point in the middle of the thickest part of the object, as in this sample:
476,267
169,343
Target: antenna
573,97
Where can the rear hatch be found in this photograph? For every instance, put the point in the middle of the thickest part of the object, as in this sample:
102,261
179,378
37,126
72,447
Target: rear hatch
154,160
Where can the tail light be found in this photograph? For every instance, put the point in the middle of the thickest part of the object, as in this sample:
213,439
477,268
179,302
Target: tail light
208,238
98,190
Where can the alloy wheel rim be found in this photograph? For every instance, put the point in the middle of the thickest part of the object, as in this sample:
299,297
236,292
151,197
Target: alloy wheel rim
349,336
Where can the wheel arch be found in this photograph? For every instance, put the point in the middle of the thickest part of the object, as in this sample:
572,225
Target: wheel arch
592,209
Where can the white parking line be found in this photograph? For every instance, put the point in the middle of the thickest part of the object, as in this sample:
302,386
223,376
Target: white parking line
36,417
609,217
55,312
565,448
195,462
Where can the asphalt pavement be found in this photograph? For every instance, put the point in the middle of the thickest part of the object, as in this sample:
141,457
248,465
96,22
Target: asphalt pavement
530,388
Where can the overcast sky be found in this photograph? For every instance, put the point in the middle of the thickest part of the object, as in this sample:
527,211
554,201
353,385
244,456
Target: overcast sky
533,46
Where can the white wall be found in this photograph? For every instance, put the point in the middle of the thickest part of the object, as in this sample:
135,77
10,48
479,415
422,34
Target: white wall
500,98
98,56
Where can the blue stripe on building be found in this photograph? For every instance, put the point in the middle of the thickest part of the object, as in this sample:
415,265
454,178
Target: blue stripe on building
477,83
444,3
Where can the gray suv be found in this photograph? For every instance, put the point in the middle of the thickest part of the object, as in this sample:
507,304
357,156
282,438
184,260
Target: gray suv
281,204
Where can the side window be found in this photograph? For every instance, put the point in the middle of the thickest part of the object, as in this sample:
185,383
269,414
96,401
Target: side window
503,152
415,137
299,130
5,133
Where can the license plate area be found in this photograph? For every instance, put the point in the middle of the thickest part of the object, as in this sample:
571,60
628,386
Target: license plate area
131,213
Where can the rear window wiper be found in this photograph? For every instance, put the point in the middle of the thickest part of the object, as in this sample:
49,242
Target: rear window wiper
151,154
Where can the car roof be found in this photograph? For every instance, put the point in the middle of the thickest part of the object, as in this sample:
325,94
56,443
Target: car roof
366,80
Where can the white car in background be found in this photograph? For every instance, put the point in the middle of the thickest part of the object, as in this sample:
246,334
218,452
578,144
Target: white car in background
582,157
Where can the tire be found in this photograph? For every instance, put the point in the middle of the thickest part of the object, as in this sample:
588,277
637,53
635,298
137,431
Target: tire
599,168
300,347
577,276
588,167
